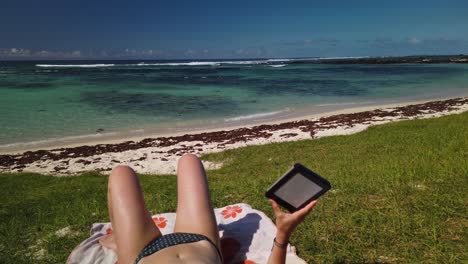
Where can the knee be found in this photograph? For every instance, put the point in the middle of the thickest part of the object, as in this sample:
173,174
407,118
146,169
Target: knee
122,169
120,173
188,158
189,161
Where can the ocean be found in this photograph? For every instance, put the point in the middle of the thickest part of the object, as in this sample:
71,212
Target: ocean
49,102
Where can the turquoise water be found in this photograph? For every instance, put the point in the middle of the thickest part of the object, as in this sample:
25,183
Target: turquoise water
49,101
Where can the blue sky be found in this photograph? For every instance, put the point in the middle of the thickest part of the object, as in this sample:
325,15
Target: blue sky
85,29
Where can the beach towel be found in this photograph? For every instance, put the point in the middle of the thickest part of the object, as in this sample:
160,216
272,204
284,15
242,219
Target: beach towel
246,237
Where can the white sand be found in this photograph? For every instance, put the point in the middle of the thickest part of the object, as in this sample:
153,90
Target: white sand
157,160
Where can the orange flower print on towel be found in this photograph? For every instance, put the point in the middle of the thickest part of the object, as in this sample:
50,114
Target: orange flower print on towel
109,231
160,222
231,211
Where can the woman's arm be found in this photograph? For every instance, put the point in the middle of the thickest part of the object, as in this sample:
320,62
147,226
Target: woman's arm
285,225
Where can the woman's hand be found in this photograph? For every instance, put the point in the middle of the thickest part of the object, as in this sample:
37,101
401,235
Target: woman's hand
287,222
285,225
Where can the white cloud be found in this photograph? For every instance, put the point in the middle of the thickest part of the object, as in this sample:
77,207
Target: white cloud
15,52
76,53
256,51
413,40
144,53
189,52
12,53
104,53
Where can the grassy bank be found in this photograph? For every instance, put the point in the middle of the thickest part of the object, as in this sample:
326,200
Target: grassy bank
399,195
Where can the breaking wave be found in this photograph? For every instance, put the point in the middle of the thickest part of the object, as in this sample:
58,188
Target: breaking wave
254,116
190,63
269,62
277,65
346,103
74,65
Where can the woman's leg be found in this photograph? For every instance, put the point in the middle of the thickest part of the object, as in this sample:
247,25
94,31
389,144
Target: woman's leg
132,225
194,209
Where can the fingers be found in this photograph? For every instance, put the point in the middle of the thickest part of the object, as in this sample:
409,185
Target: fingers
276,207
303,212
306,210
310,205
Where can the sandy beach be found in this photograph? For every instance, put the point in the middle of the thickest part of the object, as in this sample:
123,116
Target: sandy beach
157,154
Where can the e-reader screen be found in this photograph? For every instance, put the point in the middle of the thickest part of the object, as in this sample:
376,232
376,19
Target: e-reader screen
297,187
298,190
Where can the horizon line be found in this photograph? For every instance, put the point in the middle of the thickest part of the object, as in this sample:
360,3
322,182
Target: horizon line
221,59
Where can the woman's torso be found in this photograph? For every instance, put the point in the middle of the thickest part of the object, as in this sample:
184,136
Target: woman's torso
195,252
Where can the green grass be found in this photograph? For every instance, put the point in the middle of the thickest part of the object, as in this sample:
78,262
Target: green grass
399,195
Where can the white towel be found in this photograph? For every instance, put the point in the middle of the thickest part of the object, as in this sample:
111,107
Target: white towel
246,235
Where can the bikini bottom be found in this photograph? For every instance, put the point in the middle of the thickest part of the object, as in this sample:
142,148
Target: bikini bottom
172,240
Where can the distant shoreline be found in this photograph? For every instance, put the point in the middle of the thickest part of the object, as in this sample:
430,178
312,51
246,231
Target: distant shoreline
420,59
158,155
423,59
268,118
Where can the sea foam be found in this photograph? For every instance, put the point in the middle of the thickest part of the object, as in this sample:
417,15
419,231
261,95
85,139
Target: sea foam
346,103
190,63
58,140
254,116
279,60
74,65
270,62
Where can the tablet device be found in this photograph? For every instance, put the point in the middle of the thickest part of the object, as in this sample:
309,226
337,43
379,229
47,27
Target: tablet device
297,188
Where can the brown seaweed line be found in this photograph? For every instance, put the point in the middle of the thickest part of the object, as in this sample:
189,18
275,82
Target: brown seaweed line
226,137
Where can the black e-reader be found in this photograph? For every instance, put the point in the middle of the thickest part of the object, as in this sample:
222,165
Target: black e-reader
297,188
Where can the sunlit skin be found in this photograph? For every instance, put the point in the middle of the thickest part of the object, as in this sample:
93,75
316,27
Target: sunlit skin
133,227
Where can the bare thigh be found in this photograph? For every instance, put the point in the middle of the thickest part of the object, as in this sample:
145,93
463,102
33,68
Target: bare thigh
194,209
132,225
